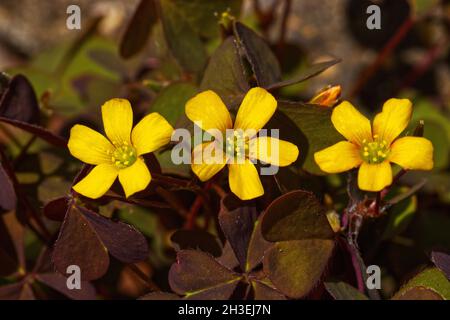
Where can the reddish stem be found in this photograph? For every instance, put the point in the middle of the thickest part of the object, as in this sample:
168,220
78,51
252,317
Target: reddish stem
425,64
388,48
356,266
198,202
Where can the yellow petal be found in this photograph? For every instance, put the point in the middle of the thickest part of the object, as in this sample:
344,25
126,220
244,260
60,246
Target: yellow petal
244,181
394,118
414,153
118,120
151,133
89,146
274,151
208,111
98,181
340,157
374,177
205,162
135,178
256,110
349,122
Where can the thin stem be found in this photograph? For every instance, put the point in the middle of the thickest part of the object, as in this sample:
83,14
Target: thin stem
173,201
218,189
198,202
356,266
397,177
377,204
389,47
283,27
432,54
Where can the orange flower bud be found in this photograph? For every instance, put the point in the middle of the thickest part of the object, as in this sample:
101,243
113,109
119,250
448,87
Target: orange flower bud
327,97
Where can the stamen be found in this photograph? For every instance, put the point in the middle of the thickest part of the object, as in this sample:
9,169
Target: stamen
124,156
237,145
375,151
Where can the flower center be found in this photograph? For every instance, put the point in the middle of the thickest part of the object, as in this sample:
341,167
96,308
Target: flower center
374,152
124,156
237,145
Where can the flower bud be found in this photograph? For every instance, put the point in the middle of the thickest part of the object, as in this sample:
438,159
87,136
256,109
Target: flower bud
327,97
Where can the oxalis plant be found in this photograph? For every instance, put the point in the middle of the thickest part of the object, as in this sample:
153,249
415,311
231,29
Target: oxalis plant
195,178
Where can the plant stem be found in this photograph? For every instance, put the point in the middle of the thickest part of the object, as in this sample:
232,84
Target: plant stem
198,202
397,177
356,266
218,189
173,201
389,47
283,27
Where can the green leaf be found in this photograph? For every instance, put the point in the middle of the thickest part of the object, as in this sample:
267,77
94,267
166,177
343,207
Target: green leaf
420,7
138,29
417,293
297,215
400,216
264,64
204,15
171,101
344,291
437,130
295,267
225,73
432,279
307,126
182,40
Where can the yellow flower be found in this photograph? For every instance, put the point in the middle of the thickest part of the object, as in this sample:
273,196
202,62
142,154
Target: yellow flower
209,112
121,155
373,148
